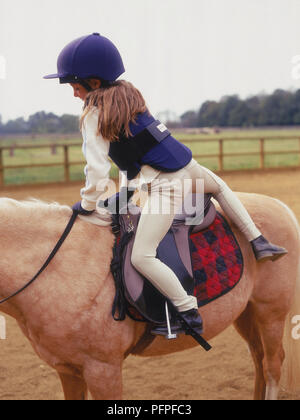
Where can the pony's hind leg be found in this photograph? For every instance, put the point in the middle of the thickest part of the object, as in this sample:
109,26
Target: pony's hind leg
262,326
272,336
247,327
74,387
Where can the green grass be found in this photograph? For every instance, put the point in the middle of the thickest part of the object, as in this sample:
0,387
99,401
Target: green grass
202,147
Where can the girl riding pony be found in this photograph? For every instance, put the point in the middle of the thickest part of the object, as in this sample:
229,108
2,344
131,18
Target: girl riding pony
116,125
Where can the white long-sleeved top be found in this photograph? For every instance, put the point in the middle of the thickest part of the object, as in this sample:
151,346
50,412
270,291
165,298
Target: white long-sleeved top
95,149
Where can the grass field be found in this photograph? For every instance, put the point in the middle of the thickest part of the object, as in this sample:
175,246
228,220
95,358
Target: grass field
202,147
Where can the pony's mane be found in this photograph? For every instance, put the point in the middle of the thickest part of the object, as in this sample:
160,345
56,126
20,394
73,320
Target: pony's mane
32,204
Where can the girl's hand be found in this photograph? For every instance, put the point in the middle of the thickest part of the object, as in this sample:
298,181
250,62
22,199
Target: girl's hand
117,201
80,210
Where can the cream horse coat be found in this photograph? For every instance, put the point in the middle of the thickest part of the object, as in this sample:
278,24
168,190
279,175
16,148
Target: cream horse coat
66,313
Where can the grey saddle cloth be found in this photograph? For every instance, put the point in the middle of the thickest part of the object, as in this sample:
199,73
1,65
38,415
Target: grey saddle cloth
174,251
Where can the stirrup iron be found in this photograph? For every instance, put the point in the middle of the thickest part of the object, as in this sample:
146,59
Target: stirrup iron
169,336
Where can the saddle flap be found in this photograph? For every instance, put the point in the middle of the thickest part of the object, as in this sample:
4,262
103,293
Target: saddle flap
138,290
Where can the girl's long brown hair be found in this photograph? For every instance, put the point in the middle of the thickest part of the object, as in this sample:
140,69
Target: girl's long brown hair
118,104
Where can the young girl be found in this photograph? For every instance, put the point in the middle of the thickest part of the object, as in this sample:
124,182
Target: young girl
116,124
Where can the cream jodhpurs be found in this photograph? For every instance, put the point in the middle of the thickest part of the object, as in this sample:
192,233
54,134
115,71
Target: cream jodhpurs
164,191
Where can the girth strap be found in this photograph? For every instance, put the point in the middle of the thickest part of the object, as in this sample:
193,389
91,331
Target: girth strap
119,303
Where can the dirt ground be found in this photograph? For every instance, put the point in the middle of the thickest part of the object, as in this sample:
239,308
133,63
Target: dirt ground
225,373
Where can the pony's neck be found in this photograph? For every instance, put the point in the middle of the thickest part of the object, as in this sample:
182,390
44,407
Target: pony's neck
29,230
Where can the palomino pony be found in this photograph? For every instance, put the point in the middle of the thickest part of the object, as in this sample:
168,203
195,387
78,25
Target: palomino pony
66,313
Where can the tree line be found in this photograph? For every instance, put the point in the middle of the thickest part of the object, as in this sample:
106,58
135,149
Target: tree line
281,108
41,123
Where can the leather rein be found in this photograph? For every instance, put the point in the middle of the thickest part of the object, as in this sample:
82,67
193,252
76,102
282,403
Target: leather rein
49,259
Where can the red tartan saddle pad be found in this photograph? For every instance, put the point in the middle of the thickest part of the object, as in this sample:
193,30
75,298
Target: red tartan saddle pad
217,261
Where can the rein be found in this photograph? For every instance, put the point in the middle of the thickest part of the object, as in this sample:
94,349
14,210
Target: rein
49,259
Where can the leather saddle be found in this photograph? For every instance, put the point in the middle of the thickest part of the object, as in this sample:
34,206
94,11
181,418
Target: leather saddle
174,251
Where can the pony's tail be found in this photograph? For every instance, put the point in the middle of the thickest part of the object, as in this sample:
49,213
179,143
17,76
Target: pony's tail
290,379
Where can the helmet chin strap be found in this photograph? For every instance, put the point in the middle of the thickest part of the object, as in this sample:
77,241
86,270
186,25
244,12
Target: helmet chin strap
104,83
84,84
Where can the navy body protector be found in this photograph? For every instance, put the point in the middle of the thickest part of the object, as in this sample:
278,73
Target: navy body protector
151,144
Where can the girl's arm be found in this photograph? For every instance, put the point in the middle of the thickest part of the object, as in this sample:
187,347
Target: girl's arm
95,150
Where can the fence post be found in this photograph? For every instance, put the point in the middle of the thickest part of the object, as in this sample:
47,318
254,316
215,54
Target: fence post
1,168
221,155
66,163
262,153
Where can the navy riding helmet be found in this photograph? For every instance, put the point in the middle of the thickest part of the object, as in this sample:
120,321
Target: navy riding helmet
88,57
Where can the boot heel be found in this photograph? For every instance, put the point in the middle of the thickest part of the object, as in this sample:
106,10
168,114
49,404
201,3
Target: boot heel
276,257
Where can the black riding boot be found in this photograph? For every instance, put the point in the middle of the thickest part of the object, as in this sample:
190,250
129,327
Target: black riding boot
186,319
162,329
264,250
191,319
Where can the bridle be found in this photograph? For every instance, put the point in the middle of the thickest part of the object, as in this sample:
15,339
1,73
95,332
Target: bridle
49,259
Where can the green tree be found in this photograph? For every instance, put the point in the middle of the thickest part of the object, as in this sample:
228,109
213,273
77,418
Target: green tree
208,115
69,123
189,119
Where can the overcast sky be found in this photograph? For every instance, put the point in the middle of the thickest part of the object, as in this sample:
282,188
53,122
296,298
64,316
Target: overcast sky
179,53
